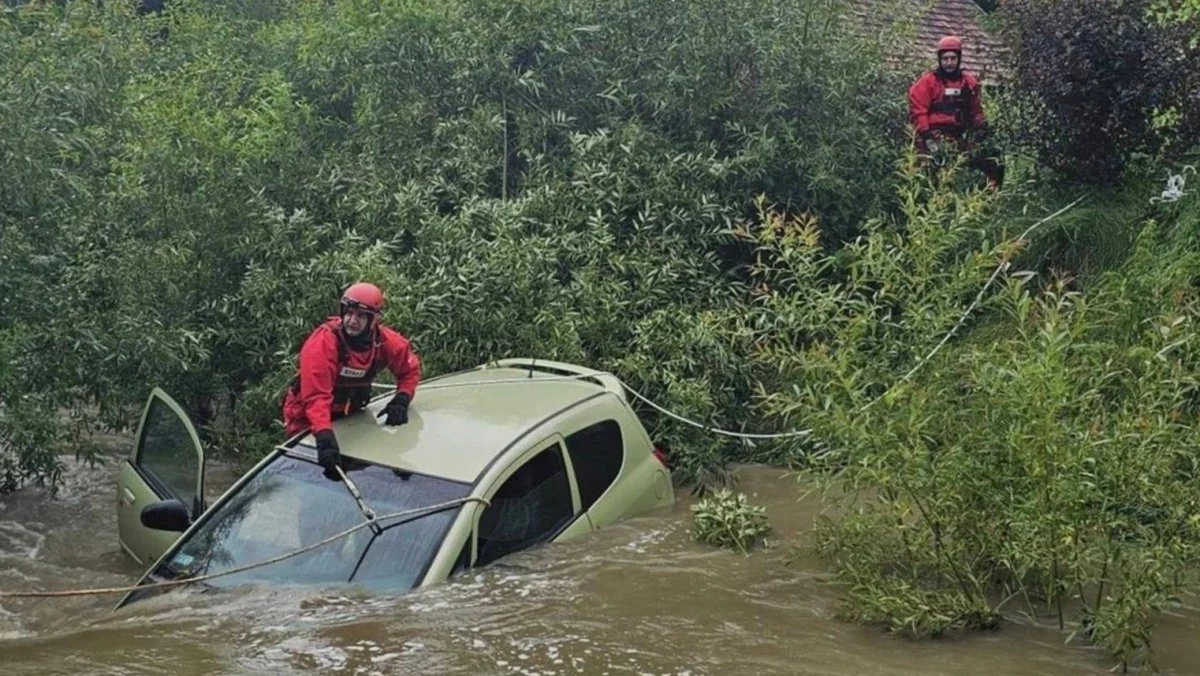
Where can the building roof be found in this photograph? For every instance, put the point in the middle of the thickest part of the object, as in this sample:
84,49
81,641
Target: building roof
908,30
459,423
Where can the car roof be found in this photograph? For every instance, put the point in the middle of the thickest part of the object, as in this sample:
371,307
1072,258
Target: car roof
459,423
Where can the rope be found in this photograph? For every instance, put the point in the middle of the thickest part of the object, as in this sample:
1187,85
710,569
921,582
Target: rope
1175,184
628,388
240,569
970,308
1004,264
715,430
1171,186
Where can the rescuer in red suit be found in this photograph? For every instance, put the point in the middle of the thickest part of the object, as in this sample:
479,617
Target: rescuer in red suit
945,108
338,362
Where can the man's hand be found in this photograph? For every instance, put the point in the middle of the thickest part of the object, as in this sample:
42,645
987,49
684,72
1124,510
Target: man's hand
328,454
930,141
396,410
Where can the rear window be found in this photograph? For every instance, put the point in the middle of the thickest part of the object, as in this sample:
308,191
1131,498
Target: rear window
597,452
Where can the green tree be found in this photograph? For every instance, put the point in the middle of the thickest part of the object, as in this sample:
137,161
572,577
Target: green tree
550,178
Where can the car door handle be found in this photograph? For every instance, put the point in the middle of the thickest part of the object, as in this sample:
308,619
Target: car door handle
127,497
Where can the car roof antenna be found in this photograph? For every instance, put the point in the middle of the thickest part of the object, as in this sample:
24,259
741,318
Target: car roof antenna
531,365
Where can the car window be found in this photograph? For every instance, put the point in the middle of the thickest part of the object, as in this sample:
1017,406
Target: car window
290,505
168,455
530,507
597,453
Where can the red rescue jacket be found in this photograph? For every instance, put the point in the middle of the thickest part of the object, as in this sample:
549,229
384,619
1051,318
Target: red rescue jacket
951,105
336,380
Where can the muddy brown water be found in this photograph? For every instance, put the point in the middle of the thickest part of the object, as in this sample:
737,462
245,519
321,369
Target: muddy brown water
637,598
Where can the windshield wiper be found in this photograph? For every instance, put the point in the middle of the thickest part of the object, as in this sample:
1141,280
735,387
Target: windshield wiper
358,498
362,504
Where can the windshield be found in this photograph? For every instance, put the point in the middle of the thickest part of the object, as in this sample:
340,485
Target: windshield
290,505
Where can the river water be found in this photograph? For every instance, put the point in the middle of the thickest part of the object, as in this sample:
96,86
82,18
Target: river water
637,598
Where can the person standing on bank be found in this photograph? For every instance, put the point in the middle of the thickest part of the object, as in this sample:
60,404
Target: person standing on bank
945,107
339,361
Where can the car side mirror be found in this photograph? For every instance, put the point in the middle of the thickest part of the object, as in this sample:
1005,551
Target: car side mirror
166,515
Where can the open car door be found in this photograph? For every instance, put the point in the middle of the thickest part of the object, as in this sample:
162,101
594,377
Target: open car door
167,463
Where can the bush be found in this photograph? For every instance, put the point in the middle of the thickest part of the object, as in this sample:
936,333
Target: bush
553,179
1046,464
1096,83
723,519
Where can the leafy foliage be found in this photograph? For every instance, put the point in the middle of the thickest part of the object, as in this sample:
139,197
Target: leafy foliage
700,196
185,195
1049,461
1096,83
726,519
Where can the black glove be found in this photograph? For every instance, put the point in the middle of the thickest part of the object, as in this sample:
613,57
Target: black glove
396,410
328,453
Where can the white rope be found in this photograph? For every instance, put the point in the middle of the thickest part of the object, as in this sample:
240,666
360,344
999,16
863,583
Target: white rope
372,523
970,308
1175,184
371,518
1004,264
716,430
628,388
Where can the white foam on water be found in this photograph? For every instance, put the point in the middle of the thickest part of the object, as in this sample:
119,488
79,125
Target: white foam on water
323,656
18,540
10,626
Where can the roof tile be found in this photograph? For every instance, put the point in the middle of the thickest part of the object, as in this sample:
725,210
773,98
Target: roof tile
909,30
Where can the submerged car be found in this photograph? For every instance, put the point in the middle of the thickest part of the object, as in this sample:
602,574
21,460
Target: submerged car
553,457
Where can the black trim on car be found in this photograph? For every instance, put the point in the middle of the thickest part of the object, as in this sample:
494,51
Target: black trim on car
162,490
463,560
582,513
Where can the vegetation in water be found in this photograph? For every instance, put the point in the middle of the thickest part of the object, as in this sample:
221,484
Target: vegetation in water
727,519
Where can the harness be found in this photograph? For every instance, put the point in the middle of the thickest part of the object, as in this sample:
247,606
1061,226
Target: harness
352,388
955,101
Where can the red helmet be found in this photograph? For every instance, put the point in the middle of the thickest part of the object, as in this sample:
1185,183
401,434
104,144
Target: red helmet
949,44
363,296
